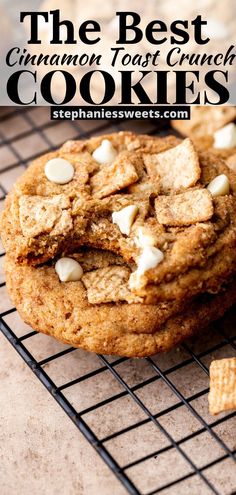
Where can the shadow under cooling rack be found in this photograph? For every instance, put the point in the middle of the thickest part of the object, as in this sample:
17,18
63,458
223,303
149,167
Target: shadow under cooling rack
148,418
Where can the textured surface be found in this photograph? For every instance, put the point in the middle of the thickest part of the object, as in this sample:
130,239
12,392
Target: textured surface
187,252
205,120
103,312
185,208
113,178
177,168
41,215
63,311
30,437
202,125
108,284
222,396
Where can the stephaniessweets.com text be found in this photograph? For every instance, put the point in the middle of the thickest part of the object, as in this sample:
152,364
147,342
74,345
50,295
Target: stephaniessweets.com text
113,113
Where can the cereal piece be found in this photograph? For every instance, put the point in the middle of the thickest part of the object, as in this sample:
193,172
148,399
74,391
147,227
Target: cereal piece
145,188
222,396
59,171
112,178
125,218
68,270
108,285
219,186
177,168
105,153
184,209
63,225
39,214
225,137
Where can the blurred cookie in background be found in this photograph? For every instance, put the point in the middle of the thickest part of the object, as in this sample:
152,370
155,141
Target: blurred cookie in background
212,128
205,120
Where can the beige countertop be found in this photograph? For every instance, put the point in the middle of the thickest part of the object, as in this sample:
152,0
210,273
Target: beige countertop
41,450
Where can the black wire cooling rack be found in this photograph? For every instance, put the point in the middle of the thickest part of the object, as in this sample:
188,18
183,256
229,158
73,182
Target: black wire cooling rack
158,416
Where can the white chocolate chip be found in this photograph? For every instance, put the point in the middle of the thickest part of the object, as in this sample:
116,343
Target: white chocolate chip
225,137
59,171
125,218
214,29
105,153
219,186
144,238
150,258
68,270
137,282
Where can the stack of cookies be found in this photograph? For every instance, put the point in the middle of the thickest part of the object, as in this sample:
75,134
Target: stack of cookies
122,244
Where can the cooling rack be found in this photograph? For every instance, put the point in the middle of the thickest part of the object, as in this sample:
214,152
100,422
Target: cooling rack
152,425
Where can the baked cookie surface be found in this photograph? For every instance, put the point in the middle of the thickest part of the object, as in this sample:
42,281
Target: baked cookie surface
133,330
151,224
164,179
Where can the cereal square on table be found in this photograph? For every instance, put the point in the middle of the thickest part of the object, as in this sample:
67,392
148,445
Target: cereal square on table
222,396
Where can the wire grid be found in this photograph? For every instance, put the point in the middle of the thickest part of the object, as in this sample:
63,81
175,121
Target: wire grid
168,441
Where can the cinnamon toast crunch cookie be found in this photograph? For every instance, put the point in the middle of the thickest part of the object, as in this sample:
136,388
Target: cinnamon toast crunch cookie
212,129
131,328
205,120
122,244
166,209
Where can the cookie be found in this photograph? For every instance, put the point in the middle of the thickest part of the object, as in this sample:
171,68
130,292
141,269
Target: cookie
142,198
205,120
131,329
212,129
